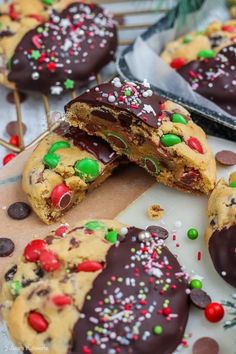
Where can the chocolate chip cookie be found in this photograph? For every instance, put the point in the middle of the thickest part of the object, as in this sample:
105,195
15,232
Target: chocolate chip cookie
157,134
221,230
63,168
101,287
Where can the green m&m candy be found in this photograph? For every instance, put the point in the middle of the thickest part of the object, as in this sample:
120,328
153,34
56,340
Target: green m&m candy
94,225
206,54
170,139
195,284
192,234
178,118
111,236
59,145
15,287
187,39
87,169
48,2
51,160
233,184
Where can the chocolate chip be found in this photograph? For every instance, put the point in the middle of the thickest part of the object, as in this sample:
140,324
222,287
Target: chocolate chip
205,345
7,246
200,298
10,273
104,114
12,128
19,210
226,157
10,97
158,231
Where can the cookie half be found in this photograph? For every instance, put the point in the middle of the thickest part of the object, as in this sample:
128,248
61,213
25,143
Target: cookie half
63,168
62,53
156,133
102,287
221,230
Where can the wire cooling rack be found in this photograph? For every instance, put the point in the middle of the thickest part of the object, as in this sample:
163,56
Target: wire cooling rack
132,18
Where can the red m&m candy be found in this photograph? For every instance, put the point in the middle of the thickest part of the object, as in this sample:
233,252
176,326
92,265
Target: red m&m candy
37,322
14,140
177,63
89,266
61,196
228,28
61,300
33,249
195,144
8,158
214,312
49,261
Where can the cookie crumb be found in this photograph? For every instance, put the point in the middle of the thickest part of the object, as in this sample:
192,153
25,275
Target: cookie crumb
155,212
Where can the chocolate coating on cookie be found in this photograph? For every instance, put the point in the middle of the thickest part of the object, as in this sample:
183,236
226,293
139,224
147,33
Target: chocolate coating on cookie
214,78
64,51
127,300
95,145
222,246
135,98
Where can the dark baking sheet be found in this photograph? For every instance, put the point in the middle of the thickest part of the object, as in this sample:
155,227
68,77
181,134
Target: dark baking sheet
212,122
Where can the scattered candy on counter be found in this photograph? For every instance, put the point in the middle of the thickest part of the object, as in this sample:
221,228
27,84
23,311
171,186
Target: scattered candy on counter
19,210
226,157
214,312
205,345
192,234
7,247
8,158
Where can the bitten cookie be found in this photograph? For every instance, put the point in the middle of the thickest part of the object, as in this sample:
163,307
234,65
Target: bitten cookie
102,287
62,169
157,134
196,45
221,231
61,53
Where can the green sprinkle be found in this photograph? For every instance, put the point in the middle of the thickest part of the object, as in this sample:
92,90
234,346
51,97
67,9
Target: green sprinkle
59,145
206,54
35,54
15,287
40,29
51,160
133,250
233,184
111,236
170,139
157,330
94,225
187,39
87,169
192,234
178,118
195,284
69,84
128,92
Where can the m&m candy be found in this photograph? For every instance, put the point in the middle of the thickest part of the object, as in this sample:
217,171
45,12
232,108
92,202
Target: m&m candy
61,196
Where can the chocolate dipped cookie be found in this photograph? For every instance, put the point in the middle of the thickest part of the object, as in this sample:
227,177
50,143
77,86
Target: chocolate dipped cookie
157,134
74,293
63,168
199,44
221,230
58,51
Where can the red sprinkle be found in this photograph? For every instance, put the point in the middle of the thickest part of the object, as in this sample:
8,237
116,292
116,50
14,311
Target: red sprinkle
177,63
49,261
37,17
33,249
195,144
199,255
37,322
8,158
61,300
86,350
166,311
61,230
89,266
51,66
